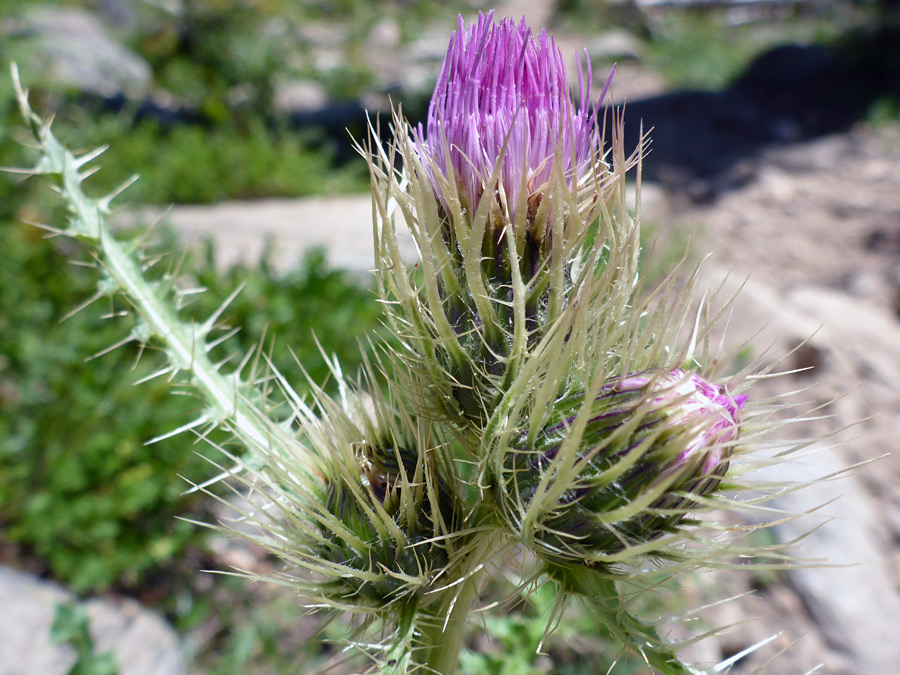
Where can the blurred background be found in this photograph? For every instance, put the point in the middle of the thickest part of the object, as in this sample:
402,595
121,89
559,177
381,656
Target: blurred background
775,129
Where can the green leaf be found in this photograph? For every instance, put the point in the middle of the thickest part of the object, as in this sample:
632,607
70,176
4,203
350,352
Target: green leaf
71,626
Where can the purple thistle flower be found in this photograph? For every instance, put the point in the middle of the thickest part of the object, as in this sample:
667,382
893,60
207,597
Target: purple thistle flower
503,97
665,437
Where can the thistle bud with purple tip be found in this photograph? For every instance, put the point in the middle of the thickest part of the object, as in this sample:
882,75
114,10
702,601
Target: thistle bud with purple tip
501,188
502,123
613,473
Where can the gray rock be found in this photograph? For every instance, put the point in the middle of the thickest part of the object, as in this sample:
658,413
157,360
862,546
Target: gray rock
241,230
430,46
537,13
73,49
122,14
128,15
418,65
851,594
144,644
614,45
385,34
300,96
655,203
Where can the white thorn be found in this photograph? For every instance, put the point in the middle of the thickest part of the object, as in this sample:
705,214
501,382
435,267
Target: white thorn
200,421
162,371
90,156
210,323
727,663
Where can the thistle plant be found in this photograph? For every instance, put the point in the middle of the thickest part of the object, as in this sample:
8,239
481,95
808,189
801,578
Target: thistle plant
542,406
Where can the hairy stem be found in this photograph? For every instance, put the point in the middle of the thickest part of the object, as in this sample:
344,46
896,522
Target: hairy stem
443,635
398,658
184,342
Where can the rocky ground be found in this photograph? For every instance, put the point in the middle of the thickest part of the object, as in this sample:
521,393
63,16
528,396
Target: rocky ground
809,217
814,233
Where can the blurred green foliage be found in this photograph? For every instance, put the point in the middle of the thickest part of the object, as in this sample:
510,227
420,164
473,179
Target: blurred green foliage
78,486
261,632
518,640
71,626
184,163
885,110
602,14
220,58
198,164
216,64
701,50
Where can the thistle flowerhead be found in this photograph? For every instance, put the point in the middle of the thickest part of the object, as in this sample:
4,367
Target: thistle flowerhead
363,509
609,474
502,189
524,343
378,521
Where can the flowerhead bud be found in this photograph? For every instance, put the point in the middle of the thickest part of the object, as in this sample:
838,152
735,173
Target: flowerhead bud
617,472
364,509
379,529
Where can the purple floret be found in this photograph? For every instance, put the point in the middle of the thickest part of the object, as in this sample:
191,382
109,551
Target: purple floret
503,96
697,400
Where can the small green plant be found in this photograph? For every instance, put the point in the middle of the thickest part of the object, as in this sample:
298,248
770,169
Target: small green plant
260,630
884,110
71,626
518,641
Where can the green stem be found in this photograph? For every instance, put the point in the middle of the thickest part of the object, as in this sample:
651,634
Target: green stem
443,635
604,599
398,658
185,342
